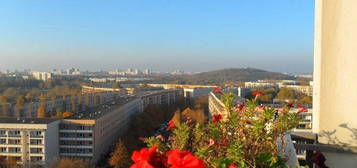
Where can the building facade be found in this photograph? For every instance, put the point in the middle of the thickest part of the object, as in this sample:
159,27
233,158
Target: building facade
29,141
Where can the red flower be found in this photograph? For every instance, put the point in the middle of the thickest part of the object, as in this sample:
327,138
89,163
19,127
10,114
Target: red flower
143,157
240,107
184,159
290,105
257,93
302,109
148,158
232,166
217,118
217,90
171,125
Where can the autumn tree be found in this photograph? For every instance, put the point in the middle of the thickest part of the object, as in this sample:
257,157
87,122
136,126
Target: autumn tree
74,103
67,114
5,109
3,99
30,109
29,96
305,100
41,112
71,163
7,163
286,94
53,104
20,101
119,158
58,113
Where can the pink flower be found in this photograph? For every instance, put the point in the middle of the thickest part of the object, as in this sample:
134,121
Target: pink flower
171,125
217,118
160,137
184,159
280,110
211,142
302,109
217,90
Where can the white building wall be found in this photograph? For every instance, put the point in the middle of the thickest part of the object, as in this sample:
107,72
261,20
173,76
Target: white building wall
335,77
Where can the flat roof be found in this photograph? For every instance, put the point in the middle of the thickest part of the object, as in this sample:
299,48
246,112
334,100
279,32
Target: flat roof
99,111
19,120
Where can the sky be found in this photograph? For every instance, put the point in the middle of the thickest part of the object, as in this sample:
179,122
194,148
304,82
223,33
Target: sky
164,35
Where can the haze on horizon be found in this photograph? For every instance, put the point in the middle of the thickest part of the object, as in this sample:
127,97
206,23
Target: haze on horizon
200,35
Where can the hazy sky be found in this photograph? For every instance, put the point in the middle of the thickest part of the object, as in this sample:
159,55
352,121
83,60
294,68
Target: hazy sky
193,35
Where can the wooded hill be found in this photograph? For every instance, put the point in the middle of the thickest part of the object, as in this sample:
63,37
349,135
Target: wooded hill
226,75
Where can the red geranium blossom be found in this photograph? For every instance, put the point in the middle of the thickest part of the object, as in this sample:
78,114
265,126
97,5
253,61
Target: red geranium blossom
240,107
217,90
217,118
257,93
184,159
302,109
142,158
232,166
147,158
290,105
171,125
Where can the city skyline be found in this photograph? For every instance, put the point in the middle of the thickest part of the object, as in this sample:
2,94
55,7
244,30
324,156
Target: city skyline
165,35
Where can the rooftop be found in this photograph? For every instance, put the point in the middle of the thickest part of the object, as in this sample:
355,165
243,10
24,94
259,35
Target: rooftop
97,112
4,120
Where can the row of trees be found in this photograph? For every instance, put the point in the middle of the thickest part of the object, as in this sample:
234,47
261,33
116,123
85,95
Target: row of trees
283,94
149,121
76,104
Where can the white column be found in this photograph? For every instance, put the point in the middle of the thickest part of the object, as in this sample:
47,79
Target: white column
335,78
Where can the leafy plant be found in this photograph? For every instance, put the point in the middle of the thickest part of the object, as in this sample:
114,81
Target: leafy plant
246,137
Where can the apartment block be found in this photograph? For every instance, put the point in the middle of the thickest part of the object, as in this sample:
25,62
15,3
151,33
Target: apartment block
29,141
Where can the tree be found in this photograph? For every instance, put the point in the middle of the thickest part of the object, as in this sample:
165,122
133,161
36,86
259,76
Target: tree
20,101
305,100
53,103
41,112
286,93
7,163
119,158
30,109
116,85
5,110
59,113
29,96
74,103
71,163
67,114
3,99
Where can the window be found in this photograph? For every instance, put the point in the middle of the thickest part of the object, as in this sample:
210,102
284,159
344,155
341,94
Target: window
36,158
14,150
2,141
14,141
2,133
35,150
36,142
2,149
36,133
14,133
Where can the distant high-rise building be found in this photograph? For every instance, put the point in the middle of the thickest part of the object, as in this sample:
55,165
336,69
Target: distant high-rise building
44,76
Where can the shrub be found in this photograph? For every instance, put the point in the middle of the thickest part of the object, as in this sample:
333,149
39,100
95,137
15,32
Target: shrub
246,137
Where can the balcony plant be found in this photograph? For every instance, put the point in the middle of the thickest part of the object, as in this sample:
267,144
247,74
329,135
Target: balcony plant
246,137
